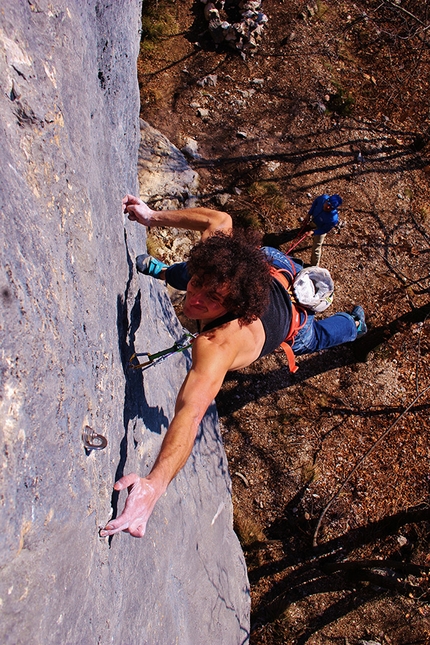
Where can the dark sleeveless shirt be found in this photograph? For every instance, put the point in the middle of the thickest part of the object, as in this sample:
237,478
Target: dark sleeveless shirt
276,319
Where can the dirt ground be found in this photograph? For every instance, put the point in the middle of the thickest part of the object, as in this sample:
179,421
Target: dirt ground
330,466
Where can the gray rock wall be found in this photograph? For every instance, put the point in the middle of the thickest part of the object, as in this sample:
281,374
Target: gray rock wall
73,310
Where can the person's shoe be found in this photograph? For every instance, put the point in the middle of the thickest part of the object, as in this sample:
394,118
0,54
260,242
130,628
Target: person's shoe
358,314
148,265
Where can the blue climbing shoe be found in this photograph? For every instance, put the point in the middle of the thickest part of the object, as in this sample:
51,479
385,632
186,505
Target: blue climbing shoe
148,265
358,314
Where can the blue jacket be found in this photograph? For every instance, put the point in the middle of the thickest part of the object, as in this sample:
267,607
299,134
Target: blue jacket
325,220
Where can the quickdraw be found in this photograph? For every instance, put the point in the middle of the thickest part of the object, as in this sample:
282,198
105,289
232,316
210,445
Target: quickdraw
179,346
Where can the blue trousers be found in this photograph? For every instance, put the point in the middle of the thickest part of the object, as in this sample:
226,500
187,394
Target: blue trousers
315,335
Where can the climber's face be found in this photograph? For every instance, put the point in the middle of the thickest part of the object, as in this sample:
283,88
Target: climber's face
202,303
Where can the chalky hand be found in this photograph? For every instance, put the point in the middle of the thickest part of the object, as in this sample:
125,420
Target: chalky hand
138,506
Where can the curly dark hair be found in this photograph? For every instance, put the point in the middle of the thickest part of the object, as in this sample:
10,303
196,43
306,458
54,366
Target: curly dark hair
234,260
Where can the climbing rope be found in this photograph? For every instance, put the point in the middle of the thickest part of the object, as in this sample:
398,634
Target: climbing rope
301,235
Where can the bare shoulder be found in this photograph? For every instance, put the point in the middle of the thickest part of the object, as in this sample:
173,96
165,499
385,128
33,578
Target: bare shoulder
238,345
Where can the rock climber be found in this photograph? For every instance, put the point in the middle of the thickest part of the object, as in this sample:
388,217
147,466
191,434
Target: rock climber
243,311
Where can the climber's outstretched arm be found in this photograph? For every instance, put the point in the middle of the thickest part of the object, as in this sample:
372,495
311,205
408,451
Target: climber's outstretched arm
205,220
211,361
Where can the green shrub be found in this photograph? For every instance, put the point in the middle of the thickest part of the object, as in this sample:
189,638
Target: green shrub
158,21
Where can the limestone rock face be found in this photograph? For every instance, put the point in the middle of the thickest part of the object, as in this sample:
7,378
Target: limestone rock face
73,310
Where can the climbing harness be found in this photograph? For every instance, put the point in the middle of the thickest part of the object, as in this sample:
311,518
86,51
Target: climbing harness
286,279
179,346
310,289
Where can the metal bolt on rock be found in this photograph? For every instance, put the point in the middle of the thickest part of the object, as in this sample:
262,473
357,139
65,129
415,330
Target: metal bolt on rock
92,440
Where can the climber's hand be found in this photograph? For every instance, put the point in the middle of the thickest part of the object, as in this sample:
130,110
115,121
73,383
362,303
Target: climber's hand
137,210
140,502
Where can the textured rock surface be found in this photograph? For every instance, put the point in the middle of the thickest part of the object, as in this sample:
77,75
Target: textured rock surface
72,312
164,174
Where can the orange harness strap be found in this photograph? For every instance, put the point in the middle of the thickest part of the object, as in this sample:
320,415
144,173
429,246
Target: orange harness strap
285,278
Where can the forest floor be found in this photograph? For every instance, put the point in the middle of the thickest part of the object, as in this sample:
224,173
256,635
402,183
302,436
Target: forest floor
330,466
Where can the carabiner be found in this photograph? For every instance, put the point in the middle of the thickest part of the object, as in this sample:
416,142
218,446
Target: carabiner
139,365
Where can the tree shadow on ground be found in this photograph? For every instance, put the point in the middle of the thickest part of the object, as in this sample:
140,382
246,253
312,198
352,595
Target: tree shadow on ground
327,569
396,157
338,163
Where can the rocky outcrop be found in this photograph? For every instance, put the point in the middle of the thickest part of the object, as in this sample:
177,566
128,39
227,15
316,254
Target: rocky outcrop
73,310
166,181
243,33
165,178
